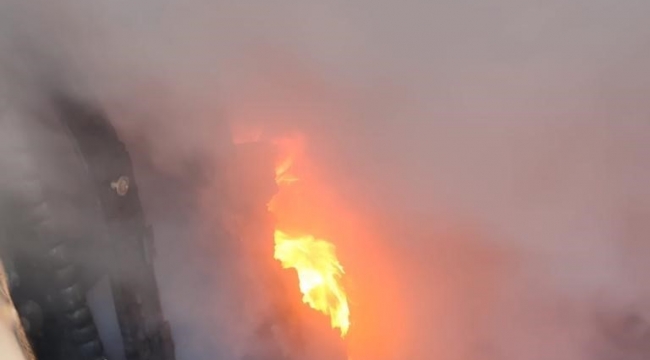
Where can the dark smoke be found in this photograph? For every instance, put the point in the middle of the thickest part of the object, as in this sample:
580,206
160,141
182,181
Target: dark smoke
501,148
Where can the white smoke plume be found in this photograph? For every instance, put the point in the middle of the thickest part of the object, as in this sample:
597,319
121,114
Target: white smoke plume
503,147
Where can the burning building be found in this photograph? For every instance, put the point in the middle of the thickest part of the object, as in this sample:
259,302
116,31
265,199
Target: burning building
472,182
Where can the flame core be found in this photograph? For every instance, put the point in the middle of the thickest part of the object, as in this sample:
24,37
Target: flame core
319,273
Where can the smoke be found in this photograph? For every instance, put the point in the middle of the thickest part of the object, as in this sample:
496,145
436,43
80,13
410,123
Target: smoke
497,151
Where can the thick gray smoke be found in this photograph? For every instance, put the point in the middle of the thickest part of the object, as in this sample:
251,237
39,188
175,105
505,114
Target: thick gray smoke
502,145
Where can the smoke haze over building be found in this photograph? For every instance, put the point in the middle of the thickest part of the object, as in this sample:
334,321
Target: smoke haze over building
497,151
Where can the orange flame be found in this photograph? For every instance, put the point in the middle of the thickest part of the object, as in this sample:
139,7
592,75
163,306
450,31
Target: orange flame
319,270
282,175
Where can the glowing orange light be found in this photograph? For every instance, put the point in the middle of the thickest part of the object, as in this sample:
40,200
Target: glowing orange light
282,175
319,270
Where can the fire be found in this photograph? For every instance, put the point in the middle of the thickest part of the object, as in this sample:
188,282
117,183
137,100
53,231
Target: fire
308,212
282,175
319,271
